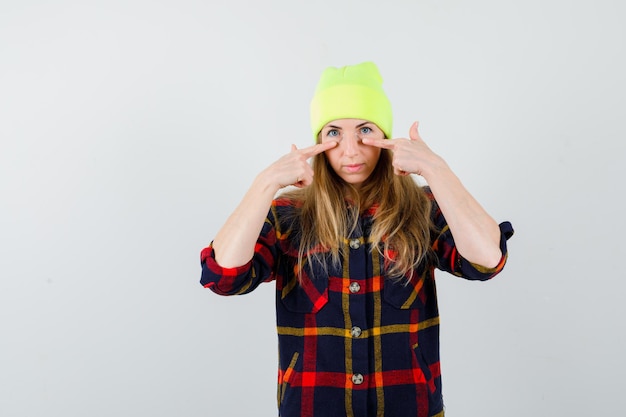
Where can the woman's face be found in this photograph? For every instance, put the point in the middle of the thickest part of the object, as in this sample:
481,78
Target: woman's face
351,159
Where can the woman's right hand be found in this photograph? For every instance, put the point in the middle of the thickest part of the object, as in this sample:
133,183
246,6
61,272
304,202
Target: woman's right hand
234,243
293,168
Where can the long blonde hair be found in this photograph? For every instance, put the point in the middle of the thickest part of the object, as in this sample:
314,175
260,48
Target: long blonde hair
401,229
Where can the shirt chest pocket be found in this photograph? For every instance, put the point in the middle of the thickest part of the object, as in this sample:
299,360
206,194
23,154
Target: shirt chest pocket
309,295
404,295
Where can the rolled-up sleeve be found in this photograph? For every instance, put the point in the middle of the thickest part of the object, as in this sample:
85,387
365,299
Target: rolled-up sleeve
245,278
450,260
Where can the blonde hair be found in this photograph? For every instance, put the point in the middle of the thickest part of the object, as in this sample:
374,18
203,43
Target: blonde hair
401,229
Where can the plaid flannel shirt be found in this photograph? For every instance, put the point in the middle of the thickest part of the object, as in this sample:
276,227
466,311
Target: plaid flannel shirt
351,342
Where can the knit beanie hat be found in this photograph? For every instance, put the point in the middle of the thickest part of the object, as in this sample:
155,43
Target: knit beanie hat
351,92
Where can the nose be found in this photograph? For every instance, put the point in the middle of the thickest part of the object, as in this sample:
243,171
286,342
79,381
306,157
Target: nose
351,143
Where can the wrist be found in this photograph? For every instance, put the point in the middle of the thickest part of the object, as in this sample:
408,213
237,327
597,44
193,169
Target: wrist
265,182
436,168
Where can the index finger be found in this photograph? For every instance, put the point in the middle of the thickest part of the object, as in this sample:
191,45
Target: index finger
379,143
318,148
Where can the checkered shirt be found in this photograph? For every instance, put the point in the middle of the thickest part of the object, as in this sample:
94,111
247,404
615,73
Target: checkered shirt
351,341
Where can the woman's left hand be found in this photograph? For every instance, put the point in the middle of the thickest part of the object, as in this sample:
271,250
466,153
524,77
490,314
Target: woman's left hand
476,234
410,156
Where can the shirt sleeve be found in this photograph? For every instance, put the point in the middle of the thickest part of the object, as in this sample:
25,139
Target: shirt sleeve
245,278
450,260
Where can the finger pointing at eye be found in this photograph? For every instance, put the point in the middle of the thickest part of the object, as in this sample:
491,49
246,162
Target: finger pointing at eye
317,149
379,143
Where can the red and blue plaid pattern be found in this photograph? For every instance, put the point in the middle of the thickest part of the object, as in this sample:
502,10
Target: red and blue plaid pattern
351,341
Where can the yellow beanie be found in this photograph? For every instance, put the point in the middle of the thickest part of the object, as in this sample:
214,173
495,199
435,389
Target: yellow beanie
351,92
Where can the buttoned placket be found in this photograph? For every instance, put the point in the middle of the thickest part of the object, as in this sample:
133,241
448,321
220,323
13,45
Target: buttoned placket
357,310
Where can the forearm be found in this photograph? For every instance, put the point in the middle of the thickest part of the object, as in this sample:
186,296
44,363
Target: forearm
476,234
235,242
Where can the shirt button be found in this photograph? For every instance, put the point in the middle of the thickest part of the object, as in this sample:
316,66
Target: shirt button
355,243
355,287
357,379
356,331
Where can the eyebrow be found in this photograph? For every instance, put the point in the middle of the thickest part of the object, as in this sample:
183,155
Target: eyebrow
357,126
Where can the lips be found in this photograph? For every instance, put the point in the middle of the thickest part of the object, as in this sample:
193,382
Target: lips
353,167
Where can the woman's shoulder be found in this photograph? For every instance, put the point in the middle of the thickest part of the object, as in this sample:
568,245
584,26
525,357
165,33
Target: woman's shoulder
286,209
427,191
288,200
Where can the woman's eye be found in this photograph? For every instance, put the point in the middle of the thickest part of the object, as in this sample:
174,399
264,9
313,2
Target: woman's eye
332,133
366,130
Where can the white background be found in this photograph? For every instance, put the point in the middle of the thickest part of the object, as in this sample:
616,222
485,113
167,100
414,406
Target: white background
130,130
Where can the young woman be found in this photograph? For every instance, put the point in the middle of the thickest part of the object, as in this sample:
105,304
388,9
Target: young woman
353,249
